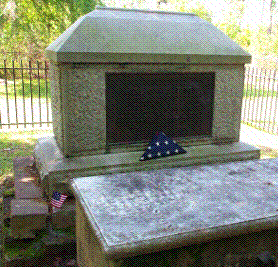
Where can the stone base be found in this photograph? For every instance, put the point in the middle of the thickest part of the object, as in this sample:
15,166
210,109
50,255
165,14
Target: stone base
65,216
56,170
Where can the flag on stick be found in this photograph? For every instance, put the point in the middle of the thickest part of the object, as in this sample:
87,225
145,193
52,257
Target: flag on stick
57,199
161,146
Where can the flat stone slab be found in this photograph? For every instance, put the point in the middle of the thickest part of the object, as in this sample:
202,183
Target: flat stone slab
133,213
25,179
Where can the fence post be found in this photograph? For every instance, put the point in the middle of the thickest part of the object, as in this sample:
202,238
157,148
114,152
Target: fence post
39,85
14,77
7,94
262,99
47,106
31,91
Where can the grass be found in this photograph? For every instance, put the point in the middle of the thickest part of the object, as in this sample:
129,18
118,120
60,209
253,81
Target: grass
264,126
24,88
267,152
17,144
29,248
255,92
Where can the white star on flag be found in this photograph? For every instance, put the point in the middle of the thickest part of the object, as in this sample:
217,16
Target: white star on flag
161,146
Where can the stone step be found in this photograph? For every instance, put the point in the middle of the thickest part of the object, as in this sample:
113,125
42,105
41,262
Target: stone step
28,211
26,179
27,215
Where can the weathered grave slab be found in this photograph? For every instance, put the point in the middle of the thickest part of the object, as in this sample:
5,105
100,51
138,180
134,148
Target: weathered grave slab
140,212
26,179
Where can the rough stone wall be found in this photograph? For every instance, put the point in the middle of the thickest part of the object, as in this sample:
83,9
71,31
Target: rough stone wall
229,84
84,104
85,110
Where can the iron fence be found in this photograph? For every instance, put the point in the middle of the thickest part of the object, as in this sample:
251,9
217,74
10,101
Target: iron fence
25,96
259,107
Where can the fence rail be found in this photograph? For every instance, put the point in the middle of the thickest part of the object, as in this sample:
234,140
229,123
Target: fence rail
25,96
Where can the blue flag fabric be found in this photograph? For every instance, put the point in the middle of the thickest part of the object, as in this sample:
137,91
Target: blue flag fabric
161,146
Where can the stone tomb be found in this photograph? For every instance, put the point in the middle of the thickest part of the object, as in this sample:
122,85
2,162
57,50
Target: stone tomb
122,218
119,76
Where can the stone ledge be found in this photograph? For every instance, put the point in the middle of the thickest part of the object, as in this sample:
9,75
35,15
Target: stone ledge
55,169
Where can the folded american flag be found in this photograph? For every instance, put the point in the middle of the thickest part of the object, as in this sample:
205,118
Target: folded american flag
57,199
161,146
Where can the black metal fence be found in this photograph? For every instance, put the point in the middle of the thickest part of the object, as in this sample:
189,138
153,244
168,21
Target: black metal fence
259,107
25,97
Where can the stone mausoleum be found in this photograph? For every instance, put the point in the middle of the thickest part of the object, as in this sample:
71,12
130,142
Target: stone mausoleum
119,76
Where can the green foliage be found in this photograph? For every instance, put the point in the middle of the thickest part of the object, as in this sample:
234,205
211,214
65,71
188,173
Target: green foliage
201,11
231,22
186,6
29,26
262,44
9,192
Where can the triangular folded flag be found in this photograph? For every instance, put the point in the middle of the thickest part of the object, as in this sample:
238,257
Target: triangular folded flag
161,146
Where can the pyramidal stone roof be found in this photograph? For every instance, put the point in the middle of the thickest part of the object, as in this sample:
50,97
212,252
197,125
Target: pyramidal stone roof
132,35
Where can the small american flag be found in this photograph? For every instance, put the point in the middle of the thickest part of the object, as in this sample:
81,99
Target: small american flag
57,199
161,146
